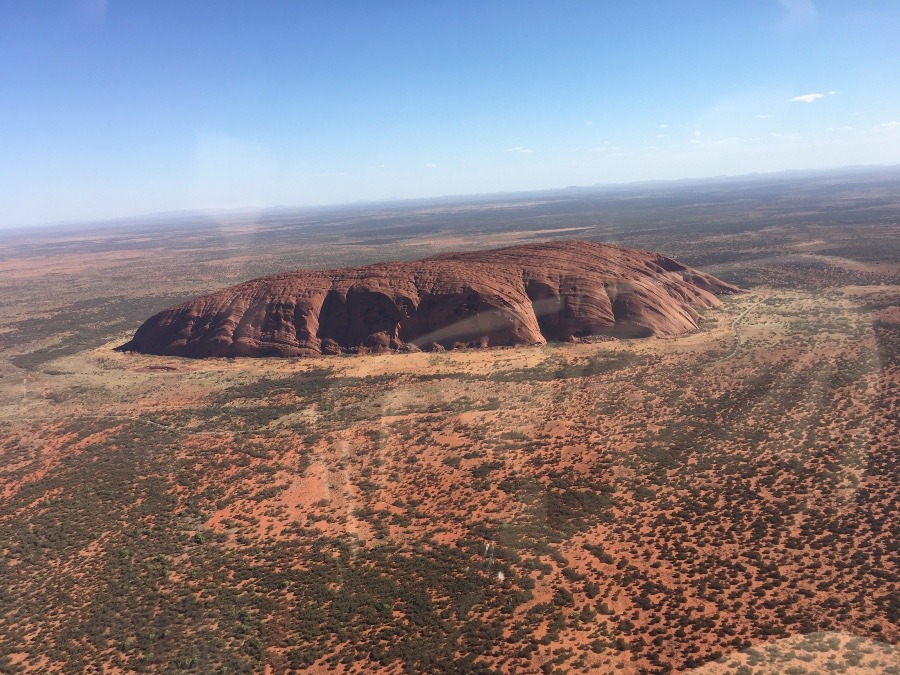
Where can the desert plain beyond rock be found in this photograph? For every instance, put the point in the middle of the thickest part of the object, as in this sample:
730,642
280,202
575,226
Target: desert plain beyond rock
519,295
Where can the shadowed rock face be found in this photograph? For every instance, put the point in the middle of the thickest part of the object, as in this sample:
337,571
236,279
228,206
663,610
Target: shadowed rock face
519,295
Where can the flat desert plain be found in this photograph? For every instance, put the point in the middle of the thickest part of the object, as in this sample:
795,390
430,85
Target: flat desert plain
724,500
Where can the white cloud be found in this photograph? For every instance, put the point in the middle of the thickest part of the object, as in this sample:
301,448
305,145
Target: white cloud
892,123
798,12
806,98
520,150
763,117
663,126
698,133
431,165
843,128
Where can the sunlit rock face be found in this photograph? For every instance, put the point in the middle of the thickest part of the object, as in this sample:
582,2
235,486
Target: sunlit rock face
520,295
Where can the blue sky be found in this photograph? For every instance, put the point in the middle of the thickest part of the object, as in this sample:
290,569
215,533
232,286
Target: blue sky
112,107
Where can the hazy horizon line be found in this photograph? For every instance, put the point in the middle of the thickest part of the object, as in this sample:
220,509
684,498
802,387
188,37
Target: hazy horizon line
235,210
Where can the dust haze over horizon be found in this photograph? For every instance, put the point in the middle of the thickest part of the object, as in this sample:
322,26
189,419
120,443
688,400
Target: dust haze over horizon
113,110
